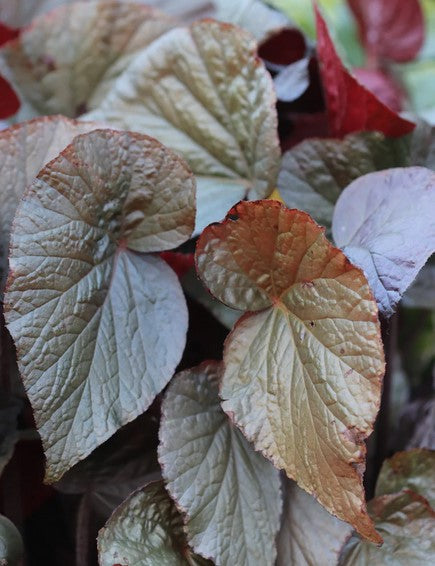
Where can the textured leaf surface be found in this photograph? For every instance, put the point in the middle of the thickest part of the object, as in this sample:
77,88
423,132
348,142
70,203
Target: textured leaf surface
314,173
309,535
351,107
302,376
406,522
11,543
385,223
227,491
66,61
391,29
413,469
99,327
203,92
24,150
146,530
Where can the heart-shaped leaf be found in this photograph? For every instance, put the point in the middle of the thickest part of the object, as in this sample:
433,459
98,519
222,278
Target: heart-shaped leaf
67,60
390,29
226,490
413,469
406,522
314,173
146,530
24,150
302,376
351,107
309,535
385,224
99,325
203,91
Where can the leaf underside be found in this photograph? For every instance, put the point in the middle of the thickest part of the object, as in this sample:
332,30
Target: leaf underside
385,224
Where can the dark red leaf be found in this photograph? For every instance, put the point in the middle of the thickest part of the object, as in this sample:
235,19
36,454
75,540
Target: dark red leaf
390,29
180,263
283,48
9,102
7,33
383,86
351,107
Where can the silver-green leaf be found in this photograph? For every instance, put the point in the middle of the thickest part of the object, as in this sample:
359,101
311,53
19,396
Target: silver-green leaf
99,324
229,493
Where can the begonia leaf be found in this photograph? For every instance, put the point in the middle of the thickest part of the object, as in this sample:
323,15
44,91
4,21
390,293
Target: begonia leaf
203,92
146,530
390,29
351,107
413,469
293,80
67,60
226,490
406,522
24,150
385,223
302,376
11,543
383,86
99,324
309,535
314,173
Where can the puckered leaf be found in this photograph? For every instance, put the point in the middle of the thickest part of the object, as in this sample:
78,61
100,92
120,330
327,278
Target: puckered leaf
302,376
309,535
226,490
385,223
390,29
203,92
24,150
406,522
314,173
66,61
99,326
11,543
413,469
351,107
146,530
